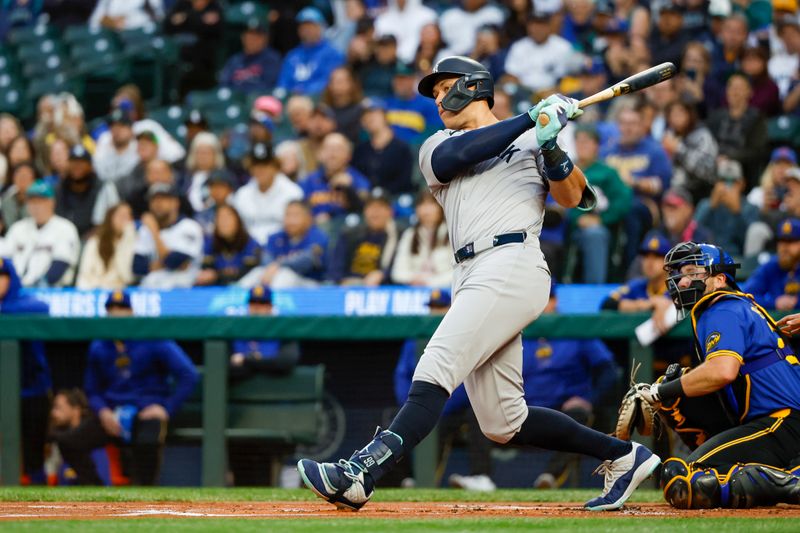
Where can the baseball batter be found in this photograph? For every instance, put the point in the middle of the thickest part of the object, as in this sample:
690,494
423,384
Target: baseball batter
491,178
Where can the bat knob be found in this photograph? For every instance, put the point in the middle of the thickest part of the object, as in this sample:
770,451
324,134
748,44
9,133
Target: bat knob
542,119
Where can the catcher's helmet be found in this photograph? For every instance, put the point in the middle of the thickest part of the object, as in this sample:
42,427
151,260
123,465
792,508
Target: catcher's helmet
715,261
474,82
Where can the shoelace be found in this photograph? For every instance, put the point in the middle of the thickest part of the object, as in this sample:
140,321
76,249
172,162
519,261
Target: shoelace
604,469
349,469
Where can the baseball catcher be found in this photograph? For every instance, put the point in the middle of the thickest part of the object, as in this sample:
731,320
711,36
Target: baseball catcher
738,408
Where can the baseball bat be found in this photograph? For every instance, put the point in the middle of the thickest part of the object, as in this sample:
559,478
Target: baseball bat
631,84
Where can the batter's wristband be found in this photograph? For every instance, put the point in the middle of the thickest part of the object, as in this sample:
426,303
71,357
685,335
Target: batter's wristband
557,164
670,391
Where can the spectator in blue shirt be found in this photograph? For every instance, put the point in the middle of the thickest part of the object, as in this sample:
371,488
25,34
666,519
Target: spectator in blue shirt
307,67
457,416
570,375
134,388
412,116
642,164
256,67
336,188
36,381
776,283
296,255
230,252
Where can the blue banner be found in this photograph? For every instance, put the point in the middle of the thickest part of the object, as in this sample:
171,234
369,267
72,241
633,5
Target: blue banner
227,301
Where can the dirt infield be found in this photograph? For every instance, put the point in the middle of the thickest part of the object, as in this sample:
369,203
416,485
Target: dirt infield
290,510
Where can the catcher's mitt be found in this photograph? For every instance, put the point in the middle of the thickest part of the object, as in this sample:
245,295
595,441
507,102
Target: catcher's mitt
635,412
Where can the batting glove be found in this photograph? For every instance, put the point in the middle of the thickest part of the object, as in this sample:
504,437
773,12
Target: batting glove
571,103
557,115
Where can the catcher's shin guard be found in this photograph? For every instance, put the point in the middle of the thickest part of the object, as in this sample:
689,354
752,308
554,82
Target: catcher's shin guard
688,488
754,485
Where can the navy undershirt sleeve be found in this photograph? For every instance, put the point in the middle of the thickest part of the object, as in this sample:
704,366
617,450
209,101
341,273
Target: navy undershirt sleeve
456,154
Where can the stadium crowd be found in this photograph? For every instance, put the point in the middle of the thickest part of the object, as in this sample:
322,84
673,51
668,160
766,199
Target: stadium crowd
316,180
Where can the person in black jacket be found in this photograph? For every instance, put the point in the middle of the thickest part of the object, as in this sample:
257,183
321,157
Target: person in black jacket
81,197
65,13
364,254
383,158
202,19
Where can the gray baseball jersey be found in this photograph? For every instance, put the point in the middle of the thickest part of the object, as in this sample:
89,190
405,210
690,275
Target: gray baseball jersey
496,293
497,196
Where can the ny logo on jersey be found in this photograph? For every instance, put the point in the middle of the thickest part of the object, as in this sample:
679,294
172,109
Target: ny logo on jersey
508,152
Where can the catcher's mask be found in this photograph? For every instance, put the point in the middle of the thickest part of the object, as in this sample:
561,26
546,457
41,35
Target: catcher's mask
474,82
710,260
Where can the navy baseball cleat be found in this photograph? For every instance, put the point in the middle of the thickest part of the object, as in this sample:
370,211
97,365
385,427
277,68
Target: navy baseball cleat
343,484
623,475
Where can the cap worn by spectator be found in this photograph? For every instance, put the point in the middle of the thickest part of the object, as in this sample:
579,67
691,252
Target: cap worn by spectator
783,153
260,294
789,230
386,39
79,153
589,130
677,197
539,15
404,69
261,153
311,14
720,8
162,189
120,116
40,189
196,118
147,135
372,104
268,104
594,68
655,244
672,7
119,299
378,195
439,298
221,176
262,119
257,25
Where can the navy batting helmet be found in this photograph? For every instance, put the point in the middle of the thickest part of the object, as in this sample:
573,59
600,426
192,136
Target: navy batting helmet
713,260
474,82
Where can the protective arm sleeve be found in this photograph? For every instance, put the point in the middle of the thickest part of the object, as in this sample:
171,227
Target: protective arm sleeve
459,152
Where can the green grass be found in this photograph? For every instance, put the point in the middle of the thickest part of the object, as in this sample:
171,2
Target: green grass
354,525
156,494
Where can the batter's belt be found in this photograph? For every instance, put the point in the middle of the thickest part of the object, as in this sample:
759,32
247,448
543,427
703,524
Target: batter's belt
481,245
